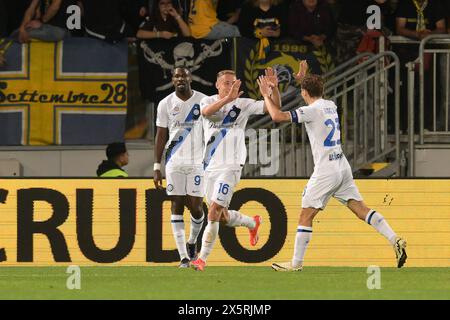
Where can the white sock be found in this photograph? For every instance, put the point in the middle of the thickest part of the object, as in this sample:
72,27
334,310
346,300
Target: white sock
179,235
196,226
238,219
302,238
380,224
209,237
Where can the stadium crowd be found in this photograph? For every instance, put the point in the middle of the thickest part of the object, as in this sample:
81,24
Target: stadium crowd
340,25
315,22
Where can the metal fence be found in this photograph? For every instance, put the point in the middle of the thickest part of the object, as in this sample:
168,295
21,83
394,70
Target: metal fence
433,81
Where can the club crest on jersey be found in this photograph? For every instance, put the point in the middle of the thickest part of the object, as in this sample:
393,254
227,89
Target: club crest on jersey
232,115
195,112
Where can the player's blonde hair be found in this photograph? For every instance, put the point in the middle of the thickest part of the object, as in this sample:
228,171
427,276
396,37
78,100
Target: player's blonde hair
224,72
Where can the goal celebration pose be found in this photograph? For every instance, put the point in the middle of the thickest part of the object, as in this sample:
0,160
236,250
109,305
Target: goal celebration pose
225,117
332,174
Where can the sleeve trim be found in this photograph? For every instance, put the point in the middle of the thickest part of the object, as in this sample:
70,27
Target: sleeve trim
294,116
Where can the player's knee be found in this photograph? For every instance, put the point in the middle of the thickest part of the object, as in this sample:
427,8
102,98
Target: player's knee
306,216
177,207
196,211
215,212
224,219
359,208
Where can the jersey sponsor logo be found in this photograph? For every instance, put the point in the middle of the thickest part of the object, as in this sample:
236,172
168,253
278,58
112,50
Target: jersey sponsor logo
335,156
217,138
181,135
179,124
215,125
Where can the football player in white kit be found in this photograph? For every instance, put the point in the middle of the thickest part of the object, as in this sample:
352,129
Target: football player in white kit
179,117
225,117
332,174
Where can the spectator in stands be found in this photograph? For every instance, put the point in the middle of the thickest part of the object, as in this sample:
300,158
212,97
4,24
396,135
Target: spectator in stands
352,25
165,22
134,12
117,155
311,21
419,18
182,6
229,10
334,8
263,18
389,15
45,20
204,23
103,20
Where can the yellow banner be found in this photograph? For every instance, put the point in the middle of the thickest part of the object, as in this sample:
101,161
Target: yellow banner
127,222
43,92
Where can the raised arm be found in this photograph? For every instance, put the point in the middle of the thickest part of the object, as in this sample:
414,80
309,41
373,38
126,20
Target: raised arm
272,79
185,30
400,26
27,18
274,107
303,70
51,11
234,93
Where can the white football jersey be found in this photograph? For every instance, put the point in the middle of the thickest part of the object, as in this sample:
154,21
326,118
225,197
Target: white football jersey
225,133
322,125
183,119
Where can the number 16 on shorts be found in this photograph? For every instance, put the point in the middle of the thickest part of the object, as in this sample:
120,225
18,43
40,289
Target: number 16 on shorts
223,188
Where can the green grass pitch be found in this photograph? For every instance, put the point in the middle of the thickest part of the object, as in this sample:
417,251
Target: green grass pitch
169,282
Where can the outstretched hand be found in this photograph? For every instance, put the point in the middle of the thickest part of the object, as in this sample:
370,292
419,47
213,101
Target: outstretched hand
303,70
271,77
234,92
265,87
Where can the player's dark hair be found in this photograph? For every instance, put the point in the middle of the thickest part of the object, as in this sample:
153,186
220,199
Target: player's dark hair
186,69
313,84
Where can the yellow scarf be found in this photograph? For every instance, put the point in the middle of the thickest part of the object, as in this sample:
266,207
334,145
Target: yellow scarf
421,24
264,45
